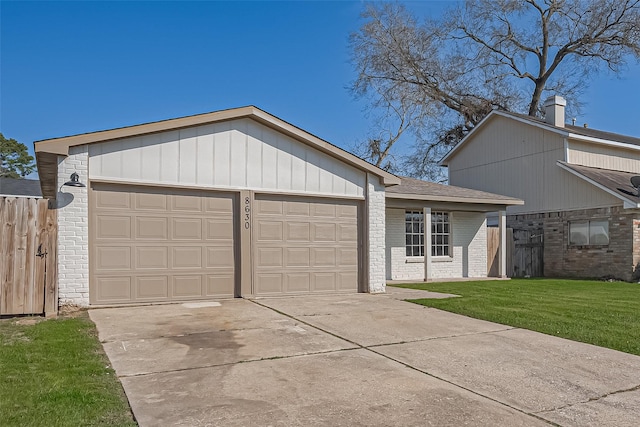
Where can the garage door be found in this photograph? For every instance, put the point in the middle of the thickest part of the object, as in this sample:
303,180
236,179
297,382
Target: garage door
156,245
304,245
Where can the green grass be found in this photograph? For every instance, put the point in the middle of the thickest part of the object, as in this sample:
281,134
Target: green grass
606,314
54,373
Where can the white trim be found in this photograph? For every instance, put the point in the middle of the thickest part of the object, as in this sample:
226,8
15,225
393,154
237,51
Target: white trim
566,150
628,204
604,142
455,199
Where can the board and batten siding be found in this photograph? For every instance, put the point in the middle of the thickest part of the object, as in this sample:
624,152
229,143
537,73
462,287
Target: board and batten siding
519,160
605,157
237,154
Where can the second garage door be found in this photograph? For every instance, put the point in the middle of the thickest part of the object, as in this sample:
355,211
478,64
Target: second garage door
304,245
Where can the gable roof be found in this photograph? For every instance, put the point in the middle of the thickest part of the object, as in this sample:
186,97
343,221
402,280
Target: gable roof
20,187
415,189
614,182
48,150
568,131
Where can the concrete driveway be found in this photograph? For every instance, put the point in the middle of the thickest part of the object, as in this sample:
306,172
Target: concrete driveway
354,360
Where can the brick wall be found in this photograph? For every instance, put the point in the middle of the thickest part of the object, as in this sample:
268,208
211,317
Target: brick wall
469,242
375,212
73,229
616,260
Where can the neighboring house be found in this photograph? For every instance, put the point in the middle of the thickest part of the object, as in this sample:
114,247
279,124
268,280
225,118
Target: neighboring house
575,182
241,203
19,187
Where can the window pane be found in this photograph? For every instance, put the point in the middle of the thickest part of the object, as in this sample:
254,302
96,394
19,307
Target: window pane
416,228
433,250
599,232
421,250
445,240
416,240
439,250
579,233
446,250
408,250
408,240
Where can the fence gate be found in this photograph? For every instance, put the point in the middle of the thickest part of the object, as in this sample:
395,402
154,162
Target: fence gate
493,244
28,256
528,253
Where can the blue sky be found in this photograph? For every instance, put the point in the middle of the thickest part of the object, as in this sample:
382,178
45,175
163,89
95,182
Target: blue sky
74,67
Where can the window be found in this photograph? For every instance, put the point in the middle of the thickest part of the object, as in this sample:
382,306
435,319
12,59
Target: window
589,233
440,234
414,233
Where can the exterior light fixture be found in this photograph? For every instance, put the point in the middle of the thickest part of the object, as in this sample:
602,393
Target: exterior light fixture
74,181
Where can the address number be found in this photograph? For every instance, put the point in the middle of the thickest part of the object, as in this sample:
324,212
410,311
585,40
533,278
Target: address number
247,213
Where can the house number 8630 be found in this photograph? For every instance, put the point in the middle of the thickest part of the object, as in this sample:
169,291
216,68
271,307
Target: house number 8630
247,213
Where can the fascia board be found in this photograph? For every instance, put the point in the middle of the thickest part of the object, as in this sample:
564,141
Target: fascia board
471,200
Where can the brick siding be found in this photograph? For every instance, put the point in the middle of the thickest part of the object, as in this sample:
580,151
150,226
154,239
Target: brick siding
619,259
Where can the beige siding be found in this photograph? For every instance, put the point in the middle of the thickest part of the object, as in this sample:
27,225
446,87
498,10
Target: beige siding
234,154
602,156
518,160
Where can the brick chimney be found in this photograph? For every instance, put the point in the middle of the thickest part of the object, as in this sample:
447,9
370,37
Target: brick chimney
554,110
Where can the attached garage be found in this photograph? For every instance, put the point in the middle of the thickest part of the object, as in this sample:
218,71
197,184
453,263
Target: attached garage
235,203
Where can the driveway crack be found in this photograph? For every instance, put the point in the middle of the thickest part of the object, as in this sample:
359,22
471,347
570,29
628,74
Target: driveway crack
591,399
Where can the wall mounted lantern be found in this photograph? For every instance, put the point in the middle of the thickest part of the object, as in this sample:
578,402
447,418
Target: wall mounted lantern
74,181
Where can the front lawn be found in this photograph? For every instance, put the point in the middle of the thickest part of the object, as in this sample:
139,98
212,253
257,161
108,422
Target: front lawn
54,373
606,314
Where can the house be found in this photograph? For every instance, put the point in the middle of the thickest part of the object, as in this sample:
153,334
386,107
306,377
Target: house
12,187
241,203
575,181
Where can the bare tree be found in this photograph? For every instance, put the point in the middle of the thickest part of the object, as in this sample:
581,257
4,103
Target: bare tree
439,78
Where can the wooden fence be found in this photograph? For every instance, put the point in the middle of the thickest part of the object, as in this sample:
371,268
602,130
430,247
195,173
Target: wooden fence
28,256
493,243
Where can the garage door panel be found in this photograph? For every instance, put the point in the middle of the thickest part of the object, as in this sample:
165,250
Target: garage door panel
185,257
152,228
269,230
298,232
187,286
269,257
160,244
220,285
152,288
270,207
113,227
152,257
269,283
323,282
296,208
186,203
323,232
345,281
323,257
219,257
218,205
145,201
186,229
109,258
347,212
347,257
348,233
219,229
298,282
113,289
298,257
113,200
323,210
